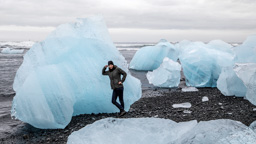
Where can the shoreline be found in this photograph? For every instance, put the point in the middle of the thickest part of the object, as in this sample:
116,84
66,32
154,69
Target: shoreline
150,105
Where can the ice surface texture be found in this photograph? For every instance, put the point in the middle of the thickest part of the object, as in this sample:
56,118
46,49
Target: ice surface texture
202,63
229,84
166,75
11,51
241,82
62,76
150,57
162,131
247,73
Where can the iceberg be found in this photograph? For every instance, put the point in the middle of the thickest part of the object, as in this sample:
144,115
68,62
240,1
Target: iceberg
229,84
150,57
162,131
61,76
247,73
166,75
202,63
11,51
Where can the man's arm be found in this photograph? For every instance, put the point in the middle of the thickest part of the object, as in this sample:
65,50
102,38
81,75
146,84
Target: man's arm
104,72
124,75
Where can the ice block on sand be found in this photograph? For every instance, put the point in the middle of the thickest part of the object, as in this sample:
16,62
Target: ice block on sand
202,63
150,57
167,75
163,131
247,73
61,76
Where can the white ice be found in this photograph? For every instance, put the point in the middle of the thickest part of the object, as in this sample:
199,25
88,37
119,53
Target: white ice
229,84
205,98
247,73
182,105
163,131
166,75
189,89
11,51
61,76
150,57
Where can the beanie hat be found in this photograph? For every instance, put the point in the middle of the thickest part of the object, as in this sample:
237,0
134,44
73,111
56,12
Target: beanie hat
110,62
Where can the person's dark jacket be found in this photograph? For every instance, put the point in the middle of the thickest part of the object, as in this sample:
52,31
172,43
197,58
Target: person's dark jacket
115,76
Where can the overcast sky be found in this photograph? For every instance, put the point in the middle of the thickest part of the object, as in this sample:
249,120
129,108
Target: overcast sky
133,20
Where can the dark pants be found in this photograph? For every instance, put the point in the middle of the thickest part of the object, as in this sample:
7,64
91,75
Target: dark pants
118,92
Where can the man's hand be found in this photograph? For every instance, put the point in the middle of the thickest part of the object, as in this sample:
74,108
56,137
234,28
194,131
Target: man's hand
119,82
106,66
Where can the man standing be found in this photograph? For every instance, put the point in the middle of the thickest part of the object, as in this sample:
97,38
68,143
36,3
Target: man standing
116,83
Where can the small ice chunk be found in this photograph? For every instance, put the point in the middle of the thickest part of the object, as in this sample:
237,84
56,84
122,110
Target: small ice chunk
220,103
167,75
182,105
187,111
254,109
189,89
205,98
11,51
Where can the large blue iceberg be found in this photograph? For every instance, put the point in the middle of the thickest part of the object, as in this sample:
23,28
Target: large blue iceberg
202,63
163,131
150,57
166,75
61,76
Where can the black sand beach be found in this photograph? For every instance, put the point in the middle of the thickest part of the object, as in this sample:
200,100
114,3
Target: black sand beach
155,102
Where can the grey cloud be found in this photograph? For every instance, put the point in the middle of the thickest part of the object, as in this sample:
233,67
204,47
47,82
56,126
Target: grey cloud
150,14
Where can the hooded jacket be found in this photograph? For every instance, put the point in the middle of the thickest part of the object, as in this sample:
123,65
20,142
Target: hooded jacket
115,76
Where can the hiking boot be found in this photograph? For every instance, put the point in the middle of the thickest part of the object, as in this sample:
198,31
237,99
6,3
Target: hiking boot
122,113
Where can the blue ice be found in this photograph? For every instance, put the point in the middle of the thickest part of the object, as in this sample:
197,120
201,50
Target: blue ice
150,57
61,76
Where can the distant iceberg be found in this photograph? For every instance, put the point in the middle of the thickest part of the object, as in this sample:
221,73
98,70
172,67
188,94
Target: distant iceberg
246,52
11,51
163,131
150,57
62,76
167,75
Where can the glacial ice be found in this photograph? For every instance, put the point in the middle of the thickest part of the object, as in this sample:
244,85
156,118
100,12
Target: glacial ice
11,51
189,89
205,99
182,105
202,63
61,76
162,131
150,57
166,75
229,84
247,73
